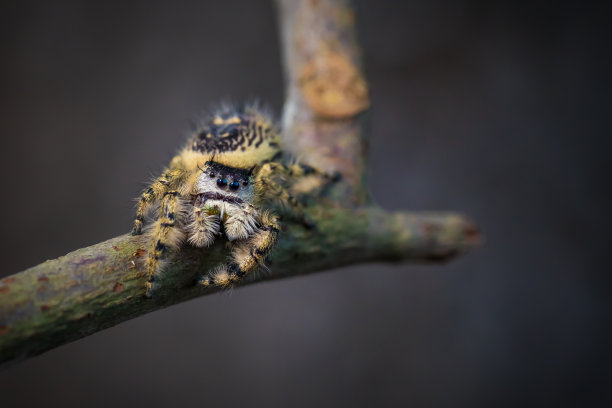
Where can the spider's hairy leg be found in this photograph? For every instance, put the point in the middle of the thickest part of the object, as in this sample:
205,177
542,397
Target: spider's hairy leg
297,170
309,180
155,191
301,170
266,181
164,236
247,255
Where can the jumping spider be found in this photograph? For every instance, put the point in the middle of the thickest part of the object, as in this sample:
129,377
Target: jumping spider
224,181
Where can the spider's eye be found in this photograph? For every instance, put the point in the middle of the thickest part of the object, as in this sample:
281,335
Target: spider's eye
221,182
234,185
212,174
233,132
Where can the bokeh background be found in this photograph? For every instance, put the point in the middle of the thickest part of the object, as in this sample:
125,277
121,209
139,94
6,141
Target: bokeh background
500,110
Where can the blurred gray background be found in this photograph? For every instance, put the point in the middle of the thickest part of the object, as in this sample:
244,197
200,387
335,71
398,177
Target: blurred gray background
500,110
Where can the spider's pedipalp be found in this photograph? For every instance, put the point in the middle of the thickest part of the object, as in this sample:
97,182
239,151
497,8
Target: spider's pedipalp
241,222
203,227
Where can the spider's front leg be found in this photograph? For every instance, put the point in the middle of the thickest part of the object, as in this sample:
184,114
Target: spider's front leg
275,191
164,236
155,191
267,182
247,255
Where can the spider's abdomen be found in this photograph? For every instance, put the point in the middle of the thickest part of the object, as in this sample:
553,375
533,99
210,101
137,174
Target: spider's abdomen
237,137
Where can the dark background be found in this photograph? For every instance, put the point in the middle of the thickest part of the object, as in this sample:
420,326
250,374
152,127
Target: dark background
500,110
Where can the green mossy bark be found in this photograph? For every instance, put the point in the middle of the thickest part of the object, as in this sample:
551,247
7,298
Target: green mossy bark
93,288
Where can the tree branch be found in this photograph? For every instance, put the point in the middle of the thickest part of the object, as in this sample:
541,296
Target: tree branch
100,286
324,117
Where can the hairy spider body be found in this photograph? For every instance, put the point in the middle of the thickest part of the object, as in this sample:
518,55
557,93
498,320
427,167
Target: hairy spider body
224,181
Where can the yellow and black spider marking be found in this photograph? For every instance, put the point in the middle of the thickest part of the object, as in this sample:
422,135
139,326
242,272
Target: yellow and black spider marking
159,187
224,182
236,138
272,176
166,235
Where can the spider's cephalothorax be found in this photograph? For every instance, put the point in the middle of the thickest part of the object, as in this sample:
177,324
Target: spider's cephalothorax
222,183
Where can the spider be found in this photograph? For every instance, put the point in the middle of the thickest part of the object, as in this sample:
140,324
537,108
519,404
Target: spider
223,182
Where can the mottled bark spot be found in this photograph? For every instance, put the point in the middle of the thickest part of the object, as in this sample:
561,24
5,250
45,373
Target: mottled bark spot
334,86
